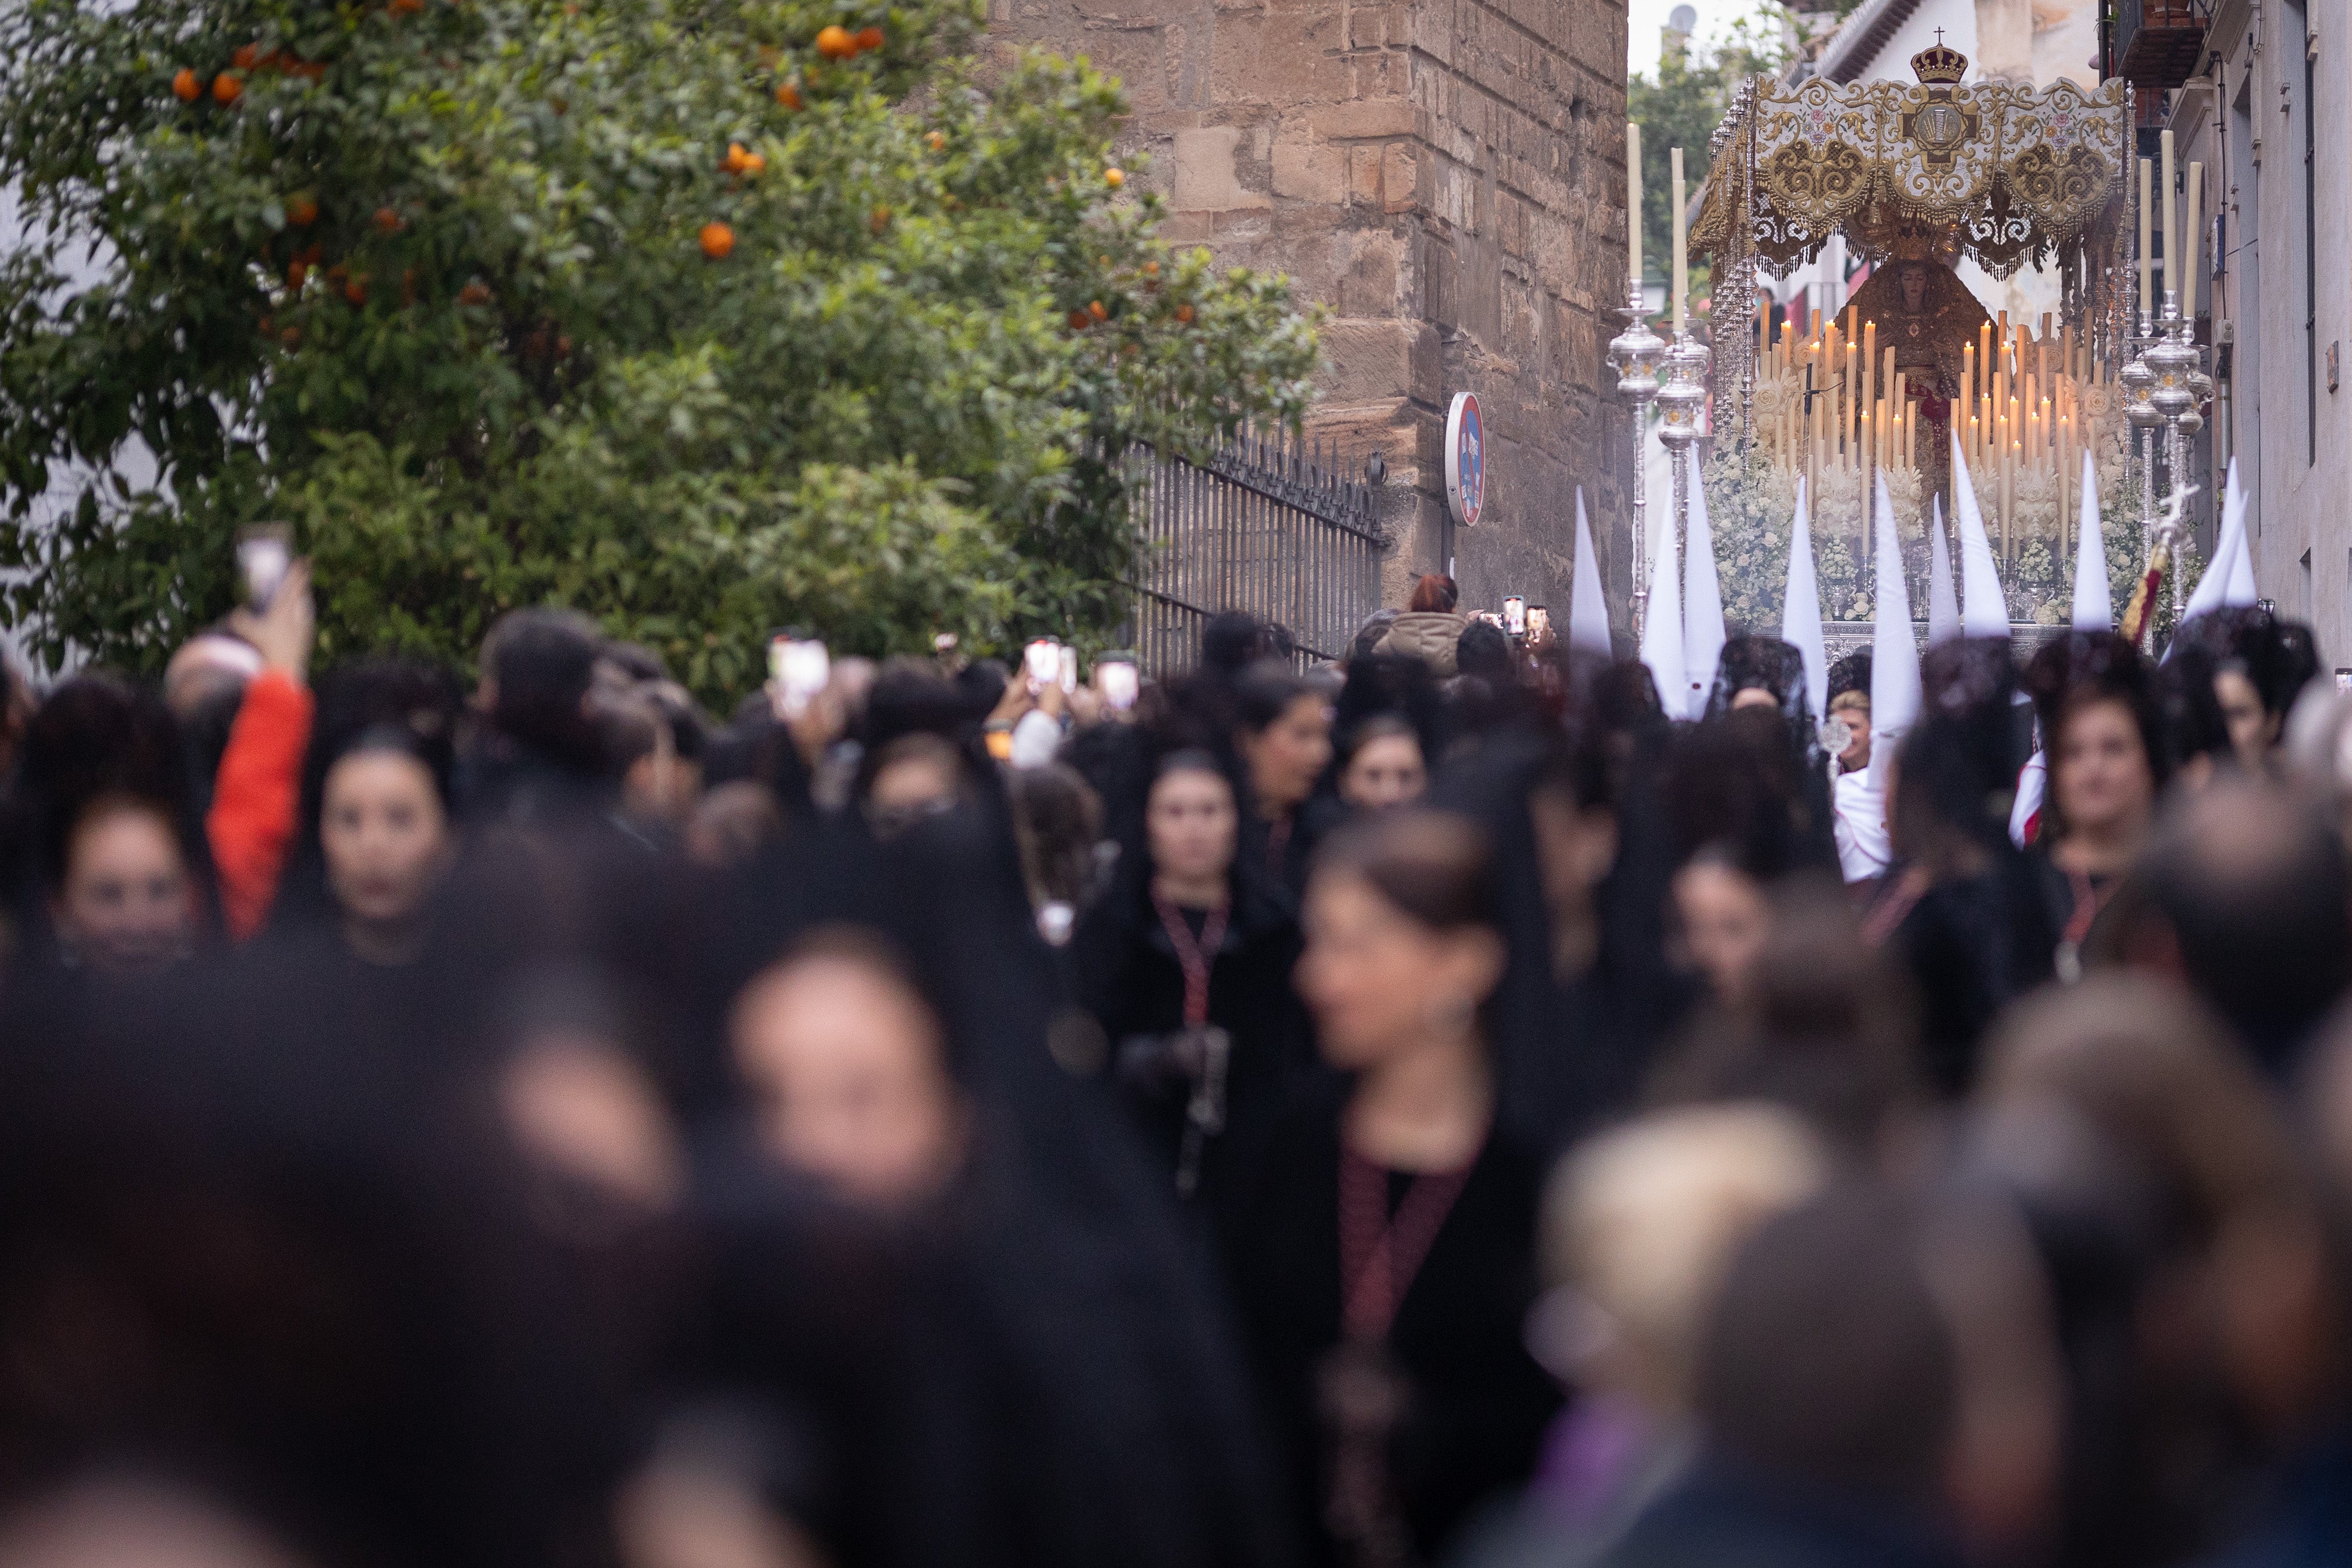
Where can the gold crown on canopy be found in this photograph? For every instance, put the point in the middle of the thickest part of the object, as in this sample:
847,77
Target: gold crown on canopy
1937,66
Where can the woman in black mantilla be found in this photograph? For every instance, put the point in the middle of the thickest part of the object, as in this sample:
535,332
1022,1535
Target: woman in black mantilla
1381,1256
1186,965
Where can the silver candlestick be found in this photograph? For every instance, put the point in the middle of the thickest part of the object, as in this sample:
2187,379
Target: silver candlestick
1682,392
1636,352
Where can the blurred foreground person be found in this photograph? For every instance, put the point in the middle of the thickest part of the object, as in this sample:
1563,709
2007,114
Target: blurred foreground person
1827,1392
960,1316
1382,1256
1639,1226
2180,1241
1962,912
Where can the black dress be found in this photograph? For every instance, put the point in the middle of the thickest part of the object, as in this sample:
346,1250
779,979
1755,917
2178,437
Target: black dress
1476,1403
1128,975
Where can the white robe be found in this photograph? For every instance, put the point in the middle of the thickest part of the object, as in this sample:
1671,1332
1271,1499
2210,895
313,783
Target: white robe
1860,827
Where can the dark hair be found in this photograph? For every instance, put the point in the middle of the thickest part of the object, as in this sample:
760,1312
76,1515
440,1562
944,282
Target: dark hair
688,728
2277,657
1231,643
1435,592
636,661
1378,727
98,738
1733,784
2078,671
1186,759
1827,1360
1483,650
2194,725
1367,643
1959,777
1265,694
1851,674
382,704
1058,819
629,728
1433,866
2257,891
540,663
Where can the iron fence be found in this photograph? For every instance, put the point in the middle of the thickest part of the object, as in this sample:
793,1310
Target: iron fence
1266,524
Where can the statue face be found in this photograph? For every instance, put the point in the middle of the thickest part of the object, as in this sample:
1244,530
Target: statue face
1915,289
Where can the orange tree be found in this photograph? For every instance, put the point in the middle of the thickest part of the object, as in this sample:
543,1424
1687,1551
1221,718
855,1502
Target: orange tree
703,316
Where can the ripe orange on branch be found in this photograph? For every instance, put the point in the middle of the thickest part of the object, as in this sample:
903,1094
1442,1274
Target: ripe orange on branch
733,162
869,38
788,95
717,241
302,211
833,42
244,58
1114,178
226,87
186,87
387,220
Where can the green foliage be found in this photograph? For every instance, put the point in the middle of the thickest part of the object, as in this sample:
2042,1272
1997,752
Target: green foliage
1750,508
1681,106
435,287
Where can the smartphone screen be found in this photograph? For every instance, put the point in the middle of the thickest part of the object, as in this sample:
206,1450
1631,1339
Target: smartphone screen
1119,682
798,668
1515,615
1538,622
1041,663
263,554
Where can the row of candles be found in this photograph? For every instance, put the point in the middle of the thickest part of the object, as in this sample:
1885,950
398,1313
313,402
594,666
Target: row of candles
2019,413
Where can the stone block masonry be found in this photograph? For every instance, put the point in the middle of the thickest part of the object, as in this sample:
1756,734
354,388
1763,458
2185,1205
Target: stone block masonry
1447,178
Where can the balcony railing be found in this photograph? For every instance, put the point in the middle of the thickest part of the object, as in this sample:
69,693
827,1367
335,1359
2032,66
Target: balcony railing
2157,42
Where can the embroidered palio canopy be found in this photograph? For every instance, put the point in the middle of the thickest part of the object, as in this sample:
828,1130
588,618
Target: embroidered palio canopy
2008,176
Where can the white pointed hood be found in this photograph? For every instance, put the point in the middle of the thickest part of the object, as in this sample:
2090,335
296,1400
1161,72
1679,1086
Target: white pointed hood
2213,589
1943,598
2241,588
1703,631
1588,609
1894,648
1662,631
1984,611
1800,614
2095,608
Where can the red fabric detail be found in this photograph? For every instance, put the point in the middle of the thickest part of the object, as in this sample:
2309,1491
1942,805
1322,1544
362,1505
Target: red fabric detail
255,797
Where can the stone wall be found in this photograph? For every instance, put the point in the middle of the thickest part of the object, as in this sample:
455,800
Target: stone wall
1446,177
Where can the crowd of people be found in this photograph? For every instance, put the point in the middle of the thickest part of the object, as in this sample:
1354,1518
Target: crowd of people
1420,1109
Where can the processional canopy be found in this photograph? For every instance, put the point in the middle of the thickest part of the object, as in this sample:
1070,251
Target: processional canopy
2005,174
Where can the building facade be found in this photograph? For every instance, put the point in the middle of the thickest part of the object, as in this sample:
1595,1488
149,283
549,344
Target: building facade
1446,178
2268,105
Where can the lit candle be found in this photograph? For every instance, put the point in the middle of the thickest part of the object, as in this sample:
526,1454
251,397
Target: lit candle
1969,370
1682,243
2147,227
2193,240
1633,199
1984,357
2047,428
2171,244
1870,354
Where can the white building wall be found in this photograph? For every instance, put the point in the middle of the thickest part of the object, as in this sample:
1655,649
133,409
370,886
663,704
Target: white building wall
2290,433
